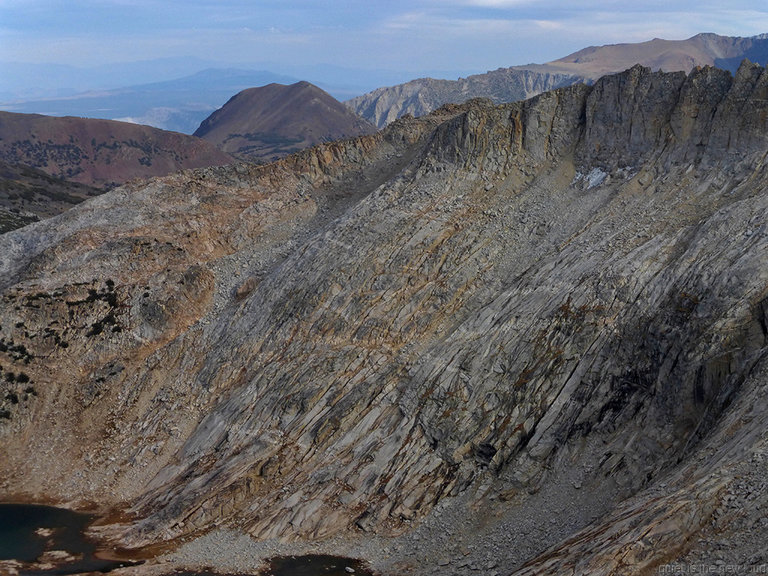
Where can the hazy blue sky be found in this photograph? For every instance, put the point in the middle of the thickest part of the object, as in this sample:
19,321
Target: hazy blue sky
412,35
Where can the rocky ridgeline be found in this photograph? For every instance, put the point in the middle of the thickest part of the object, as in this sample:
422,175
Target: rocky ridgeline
417,334
422,96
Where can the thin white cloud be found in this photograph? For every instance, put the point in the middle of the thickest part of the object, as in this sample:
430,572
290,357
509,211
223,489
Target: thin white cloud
467,35
549,25
499,3
426,22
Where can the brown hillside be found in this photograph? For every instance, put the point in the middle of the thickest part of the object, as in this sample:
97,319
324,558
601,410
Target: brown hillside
100,152
725,52
273,121
28,194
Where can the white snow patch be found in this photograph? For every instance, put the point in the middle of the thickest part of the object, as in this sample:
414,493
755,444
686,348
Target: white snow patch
595,177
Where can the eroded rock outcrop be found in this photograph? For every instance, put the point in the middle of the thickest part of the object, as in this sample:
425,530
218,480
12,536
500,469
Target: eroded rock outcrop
419,97
466,306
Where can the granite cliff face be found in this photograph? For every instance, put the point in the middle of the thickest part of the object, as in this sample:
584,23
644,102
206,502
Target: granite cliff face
422,96
483,314
419,97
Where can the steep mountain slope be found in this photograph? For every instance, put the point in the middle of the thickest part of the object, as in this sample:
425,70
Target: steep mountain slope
28,194
421,96
100,153
269,122
529,336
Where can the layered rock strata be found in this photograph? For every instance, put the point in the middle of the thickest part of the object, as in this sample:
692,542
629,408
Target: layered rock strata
463,307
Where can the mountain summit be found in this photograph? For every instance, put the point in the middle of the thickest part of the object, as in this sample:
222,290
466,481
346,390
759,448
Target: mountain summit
726,52
272,121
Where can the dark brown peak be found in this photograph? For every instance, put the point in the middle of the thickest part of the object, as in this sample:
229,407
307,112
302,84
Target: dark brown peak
307,88
277,87
276,91
267,88
269,122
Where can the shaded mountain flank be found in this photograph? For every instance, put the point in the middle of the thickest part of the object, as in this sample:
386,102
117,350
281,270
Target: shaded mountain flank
28,194
421,96
100,153
524,338
266,123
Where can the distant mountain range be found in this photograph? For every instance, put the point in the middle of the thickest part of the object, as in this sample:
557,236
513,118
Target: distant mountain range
179,105
175,103
100,153
29,81
725,52
266,123
48,163
421,96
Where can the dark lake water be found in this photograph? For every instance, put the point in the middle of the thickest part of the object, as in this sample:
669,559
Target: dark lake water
316,565
27,532
309,565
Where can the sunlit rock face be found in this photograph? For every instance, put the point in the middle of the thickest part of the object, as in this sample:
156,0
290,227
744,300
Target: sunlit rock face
423,95
461,305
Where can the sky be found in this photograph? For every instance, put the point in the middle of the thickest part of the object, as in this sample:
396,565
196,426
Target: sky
419,37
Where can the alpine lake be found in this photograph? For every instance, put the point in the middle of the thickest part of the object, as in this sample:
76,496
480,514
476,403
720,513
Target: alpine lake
39,540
